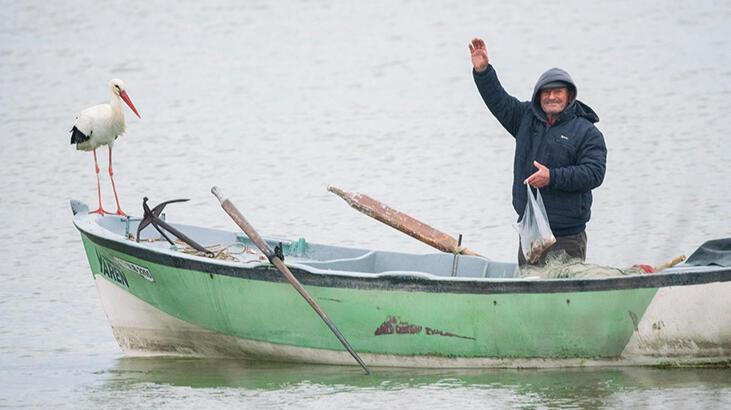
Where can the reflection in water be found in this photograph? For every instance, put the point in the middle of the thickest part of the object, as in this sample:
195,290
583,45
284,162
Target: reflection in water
262,383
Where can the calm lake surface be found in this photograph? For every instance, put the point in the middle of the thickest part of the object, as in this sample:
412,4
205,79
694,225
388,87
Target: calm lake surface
274,101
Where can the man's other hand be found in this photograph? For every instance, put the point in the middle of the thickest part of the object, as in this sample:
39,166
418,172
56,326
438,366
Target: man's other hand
479,54
540,178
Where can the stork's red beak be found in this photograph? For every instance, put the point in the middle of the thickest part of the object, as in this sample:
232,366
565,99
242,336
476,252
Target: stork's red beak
126,99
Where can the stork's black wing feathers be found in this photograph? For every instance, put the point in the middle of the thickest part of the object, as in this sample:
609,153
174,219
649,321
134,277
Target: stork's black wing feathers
77,136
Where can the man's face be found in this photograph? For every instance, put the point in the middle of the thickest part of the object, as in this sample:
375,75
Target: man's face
554,100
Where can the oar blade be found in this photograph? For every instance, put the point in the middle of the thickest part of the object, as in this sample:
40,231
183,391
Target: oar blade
401,221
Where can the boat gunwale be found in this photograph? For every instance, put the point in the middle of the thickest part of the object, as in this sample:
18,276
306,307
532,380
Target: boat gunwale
403,280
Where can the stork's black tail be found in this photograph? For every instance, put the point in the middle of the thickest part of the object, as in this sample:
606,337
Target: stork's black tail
77,136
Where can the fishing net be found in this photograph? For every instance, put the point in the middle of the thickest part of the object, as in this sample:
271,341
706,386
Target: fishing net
234,252
561,266
238,251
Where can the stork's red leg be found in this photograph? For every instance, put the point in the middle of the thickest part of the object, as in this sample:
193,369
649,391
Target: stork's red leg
111,176
99,210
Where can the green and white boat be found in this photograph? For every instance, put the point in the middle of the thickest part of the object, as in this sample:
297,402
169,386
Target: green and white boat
395,309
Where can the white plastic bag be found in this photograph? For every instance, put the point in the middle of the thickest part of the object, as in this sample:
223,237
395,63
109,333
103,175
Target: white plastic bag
534,230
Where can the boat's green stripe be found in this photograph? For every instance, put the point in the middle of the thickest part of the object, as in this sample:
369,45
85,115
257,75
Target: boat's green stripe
518,325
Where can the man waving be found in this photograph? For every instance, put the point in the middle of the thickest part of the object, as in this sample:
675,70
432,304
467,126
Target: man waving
557,149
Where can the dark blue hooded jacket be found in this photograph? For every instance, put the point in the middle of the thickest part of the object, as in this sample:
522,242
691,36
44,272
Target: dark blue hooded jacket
572,148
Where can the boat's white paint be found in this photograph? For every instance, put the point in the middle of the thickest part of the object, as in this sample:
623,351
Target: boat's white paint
143,330
683,323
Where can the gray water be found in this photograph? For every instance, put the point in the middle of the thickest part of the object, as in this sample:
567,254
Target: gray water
273,101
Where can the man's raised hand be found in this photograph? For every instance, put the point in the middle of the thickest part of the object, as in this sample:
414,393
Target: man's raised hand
479,54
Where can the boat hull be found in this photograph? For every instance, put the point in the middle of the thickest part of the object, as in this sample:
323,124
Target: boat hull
160,306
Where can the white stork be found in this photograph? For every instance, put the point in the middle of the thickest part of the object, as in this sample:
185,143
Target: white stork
101,125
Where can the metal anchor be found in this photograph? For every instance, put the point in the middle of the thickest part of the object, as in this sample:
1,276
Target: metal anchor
152,217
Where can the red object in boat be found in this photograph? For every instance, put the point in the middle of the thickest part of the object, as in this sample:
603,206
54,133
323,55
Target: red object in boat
645,268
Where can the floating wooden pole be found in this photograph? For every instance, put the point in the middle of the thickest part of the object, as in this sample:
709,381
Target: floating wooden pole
404,223
234,213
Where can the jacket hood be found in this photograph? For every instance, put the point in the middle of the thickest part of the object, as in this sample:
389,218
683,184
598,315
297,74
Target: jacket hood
574,106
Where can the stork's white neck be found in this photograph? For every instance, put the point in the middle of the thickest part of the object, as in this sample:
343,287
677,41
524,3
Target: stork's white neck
117,120
116,103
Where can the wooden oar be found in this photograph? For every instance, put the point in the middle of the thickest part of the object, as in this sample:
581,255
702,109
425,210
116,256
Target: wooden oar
404,223
661,267
669,264
234,213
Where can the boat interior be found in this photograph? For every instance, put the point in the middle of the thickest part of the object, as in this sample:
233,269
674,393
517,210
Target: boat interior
238,249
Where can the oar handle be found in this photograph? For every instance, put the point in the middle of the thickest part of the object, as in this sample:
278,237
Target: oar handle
249,230
216,191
